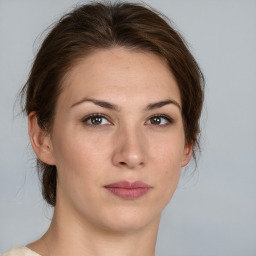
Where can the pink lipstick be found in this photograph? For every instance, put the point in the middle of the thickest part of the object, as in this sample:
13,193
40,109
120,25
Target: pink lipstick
128,190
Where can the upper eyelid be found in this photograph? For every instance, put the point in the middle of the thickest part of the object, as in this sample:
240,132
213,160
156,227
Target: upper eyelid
162,115
87,117
169,119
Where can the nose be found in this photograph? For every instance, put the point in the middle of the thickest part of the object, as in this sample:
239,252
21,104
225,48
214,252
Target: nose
130,149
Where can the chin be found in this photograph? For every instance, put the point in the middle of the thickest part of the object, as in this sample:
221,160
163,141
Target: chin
128,220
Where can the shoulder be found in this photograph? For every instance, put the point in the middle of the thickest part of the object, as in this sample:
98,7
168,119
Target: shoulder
20,251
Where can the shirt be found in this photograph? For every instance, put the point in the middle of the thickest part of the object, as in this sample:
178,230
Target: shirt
21,251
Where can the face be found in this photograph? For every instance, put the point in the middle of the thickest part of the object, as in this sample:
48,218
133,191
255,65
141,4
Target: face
118,140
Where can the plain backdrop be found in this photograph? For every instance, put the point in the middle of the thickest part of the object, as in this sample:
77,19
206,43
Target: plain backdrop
213,212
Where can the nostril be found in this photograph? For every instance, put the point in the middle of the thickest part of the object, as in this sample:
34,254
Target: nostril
130,165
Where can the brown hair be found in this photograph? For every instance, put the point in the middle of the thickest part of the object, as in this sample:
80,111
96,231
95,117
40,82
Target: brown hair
96,26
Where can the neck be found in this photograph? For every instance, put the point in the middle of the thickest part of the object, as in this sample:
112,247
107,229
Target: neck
70,235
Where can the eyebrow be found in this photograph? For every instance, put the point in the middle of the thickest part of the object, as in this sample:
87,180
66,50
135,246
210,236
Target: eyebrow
111,106
100,103
161,104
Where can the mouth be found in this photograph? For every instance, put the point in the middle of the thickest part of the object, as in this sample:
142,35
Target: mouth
129,190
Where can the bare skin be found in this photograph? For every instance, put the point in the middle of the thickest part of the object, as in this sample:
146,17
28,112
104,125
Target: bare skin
118,118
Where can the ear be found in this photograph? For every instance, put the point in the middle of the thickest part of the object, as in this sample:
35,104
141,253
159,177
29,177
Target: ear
187,154
40,140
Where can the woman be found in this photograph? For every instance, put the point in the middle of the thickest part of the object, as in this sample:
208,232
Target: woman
113,103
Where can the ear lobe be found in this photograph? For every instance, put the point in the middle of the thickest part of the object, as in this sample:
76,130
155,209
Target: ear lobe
187,154
40,140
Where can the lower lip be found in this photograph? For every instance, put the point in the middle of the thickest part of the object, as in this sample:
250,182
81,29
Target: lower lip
128,193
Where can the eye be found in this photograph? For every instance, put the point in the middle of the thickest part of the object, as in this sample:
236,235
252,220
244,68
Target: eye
96,120
160,120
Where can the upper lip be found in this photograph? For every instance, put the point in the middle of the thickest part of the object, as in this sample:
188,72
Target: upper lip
128,184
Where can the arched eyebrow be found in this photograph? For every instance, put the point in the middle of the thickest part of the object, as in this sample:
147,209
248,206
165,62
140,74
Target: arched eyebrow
111,106
161,104
101,103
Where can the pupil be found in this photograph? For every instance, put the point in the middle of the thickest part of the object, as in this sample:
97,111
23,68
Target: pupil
156,120
96,120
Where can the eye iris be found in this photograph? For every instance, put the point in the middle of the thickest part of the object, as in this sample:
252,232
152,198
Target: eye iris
156,120
96,120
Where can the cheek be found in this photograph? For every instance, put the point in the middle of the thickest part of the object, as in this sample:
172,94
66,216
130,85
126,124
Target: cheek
79,148
79,166
169,171
80,158
169,151
169,154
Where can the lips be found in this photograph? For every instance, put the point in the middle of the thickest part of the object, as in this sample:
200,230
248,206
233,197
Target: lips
129,190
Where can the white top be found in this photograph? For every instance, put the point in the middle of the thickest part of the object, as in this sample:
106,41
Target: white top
21,251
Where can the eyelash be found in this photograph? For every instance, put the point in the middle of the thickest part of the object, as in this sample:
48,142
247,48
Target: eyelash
99,115
167,118
89,117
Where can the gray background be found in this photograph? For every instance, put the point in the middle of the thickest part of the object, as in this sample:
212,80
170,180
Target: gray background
213,211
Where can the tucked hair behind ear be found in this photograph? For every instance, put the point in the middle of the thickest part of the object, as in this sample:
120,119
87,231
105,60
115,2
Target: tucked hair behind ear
101,26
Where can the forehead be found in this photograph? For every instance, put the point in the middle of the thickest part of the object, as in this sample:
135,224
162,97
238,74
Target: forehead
118,73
